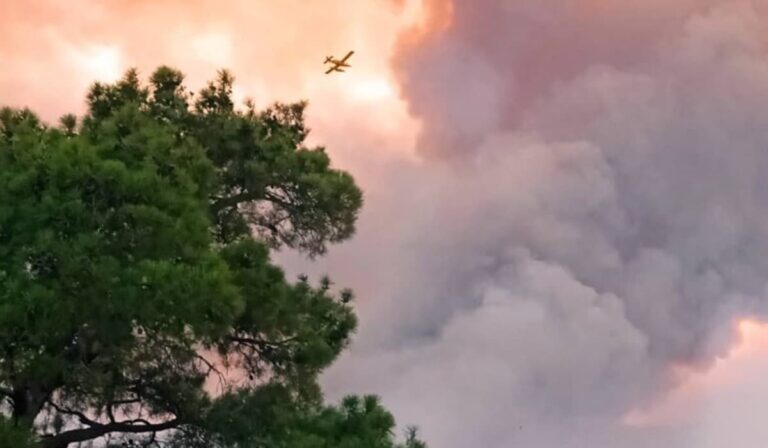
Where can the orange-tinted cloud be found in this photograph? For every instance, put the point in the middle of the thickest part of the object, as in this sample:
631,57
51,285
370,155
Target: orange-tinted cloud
52,50
725,404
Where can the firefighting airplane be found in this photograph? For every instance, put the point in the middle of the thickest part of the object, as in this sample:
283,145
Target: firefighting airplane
337,64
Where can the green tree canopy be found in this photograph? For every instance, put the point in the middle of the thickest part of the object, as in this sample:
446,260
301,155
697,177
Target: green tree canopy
138,302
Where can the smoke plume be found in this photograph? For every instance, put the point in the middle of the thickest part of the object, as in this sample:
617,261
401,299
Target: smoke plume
590,210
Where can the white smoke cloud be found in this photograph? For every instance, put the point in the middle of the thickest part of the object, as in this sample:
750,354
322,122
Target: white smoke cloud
591,211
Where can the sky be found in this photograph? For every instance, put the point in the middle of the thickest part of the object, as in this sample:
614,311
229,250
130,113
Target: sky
564,241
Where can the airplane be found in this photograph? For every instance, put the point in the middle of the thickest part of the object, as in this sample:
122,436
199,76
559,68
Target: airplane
337,63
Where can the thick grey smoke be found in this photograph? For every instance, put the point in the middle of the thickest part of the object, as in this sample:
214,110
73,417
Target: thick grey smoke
592,208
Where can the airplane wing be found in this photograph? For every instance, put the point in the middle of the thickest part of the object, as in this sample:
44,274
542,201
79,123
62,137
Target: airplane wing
346,57
329,70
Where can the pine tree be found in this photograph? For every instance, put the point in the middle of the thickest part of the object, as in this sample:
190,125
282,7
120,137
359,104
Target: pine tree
135,273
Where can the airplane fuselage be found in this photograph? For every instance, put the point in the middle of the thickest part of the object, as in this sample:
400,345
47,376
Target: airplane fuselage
338,63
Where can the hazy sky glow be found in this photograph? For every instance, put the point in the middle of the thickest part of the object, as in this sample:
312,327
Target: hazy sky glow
565,235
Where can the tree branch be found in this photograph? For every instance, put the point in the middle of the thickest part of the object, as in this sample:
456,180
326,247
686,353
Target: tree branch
80,416
232,201
62,440
261,342
237,199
